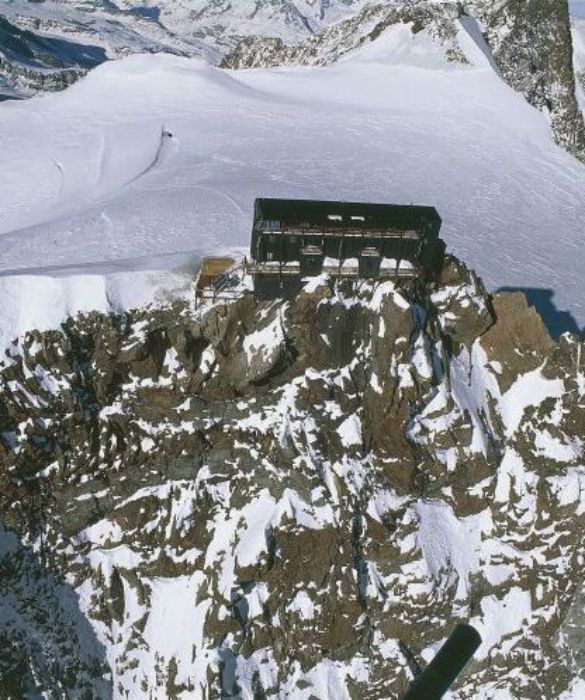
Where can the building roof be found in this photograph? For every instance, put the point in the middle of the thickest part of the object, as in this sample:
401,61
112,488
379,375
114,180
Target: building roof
315,211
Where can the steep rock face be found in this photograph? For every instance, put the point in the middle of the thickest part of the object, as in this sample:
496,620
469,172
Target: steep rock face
37,611
260,498
533,47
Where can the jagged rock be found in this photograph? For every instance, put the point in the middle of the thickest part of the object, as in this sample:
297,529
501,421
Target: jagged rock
264,494
465,309
520,343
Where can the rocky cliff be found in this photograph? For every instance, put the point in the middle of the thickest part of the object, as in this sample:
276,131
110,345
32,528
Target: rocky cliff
533,47
290,498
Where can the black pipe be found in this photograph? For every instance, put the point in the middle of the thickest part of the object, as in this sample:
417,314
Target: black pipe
438,676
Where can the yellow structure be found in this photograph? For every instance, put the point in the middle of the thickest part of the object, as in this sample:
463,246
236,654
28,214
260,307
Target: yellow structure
209,279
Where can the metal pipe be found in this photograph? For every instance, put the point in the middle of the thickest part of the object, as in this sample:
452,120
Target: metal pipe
440,674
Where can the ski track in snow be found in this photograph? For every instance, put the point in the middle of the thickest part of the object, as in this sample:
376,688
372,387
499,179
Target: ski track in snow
372,128
166,145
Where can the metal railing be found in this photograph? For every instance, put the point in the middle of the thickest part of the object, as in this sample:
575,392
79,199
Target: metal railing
285,269
353,231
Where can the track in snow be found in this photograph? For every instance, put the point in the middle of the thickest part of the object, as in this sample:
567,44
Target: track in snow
173,259
167,145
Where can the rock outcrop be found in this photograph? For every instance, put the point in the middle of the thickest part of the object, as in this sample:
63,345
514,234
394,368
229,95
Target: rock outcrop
258,498
533,47
334,42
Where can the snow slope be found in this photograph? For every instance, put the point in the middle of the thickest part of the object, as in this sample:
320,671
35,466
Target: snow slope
87,176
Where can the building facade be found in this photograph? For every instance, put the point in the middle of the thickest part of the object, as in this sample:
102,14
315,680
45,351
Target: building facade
294,239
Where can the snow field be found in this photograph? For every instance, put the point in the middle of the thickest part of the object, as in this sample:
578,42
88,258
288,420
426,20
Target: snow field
87,177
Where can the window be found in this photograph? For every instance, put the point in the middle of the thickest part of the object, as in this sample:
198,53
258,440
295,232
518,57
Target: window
335,217
358,218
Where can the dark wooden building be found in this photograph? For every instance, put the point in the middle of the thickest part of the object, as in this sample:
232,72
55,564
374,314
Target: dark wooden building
293,239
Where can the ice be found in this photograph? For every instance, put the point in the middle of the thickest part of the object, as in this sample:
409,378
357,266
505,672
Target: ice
502,617
265,341
578,34
175,625
552,448
43,301
577,689
303,606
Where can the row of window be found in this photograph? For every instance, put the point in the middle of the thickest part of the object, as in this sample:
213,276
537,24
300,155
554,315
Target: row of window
275,224
338,217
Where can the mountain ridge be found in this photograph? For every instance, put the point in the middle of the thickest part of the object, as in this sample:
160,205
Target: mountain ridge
531,42
307,479
278,498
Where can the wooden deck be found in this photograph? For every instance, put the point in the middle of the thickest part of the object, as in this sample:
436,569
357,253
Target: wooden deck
212,277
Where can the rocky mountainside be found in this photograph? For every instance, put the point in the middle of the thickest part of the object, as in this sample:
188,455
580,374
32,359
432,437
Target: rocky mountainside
438,21
29,62
48,45
222,22
290,498
61,36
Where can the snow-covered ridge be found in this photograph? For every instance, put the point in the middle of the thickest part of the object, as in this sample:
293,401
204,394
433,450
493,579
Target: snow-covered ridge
45,302
530,47
49,45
